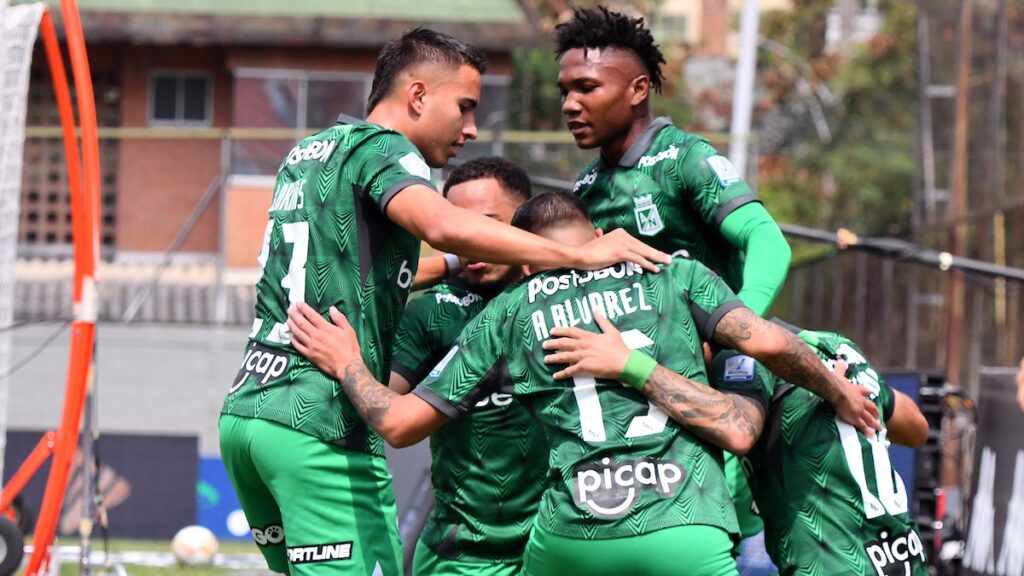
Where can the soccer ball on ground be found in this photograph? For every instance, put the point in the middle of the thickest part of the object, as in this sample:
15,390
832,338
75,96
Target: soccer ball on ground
194,546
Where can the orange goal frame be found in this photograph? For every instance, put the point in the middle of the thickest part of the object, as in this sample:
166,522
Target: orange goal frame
84,186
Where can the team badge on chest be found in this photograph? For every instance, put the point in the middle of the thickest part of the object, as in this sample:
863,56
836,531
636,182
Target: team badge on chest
648,220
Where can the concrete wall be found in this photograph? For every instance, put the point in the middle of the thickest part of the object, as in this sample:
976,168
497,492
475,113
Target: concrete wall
154,379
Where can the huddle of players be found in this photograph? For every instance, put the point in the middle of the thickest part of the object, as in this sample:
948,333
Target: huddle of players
619,471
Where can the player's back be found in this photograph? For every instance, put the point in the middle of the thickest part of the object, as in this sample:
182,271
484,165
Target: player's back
488,466
619,466
327,242
830,499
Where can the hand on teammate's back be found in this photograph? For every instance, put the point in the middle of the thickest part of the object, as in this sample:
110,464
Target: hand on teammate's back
331,347
854,405
601,355
618,246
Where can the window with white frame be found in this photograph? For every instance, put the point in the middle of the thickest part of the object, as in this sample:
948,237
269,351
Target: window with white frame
180,98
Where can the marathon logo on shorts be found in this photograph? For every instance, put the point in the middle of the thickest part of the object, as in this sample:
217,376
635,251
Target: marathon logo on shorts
892,555
316,150
320,553
269,535
265,364
609,489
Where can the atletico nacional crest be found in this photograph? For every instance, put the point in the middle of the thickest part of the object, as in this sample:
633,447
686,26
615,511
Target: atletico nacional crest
648,220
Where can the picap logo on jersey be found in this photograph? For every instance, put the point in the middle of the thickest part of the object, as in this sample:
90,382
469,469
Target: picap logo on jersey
265,364
315,150
895,554
609,489
320,553
648,220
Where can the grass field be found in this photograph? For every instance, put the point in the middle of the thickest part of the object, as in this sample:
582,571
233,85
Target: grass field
70,567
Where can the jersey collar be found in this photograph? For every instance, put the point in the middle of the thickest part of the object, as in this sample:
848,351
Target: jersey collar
643,142
346,119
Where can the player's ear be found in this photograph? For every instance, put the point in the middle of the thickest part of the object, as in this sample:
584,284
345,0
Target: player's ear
598,232
641,88
414,93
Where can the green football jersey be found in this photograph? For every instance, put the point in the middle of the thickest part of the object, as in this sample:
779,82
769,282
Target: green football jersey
618,467
329,243
488,467
672,190
830,499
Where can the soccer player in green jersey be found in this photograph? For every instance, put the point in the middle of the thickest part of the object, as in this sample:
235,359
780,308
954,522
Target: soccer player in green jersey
665,185
349,209
831,502
670,187
488,468
626,484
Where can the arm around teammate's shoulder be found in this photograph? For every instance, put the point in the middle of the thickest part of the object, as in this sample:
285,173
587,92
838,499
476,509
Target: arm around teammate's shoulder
428,216
907,425
789,357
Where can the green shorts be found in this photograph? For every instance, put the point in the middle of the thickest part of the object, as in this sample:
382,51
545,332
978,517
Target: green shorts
691,550
313,508
426,562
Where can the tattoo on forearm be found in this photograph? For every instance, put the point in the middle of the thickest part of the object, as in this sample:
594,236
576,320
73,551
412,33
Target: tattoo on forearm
706,412
371,399
797,364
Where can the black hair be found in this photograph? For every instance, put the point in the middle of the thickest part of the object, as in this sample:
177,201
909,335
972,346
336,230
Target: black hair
418,46
550,210
513,179
602,28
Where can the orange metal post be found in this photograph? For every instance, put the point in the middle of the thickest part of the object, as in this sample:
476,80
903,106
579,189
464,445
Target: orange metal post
27,469
85,214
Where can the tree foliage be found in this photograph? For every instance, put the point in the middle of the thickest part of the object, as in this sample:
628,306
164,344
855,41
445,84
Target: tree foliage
863,177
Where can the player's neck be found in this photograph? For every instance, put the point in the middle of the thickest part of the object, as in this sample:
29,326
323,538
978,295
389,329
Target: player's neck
615,150
387,116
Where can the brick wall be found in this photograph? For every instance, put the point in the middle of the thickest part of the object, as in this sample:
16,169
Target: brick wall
162,180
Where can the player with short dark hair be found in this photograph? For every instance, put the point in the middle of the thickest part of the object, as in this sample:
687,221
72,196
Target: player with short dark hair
350,207
626,485
414,48
488,468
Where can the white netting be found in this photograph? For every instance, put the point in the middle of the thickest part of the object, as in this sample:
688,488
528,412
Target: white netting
18,28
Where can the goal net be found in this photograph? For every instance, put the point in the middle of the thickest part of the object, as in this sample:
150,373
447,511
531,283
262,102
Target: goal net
18,28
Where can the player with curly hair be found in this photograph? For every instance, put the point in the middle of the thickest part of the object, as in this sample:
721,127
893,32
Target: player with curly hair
658,182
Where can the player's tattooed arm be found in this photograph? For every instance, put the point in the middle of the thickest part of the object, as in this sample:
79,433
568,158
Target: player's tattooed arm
729,421
334,348
789,357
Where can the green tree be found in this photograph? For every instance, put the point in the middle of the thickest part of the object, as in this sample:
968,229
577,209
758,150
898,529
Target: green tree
862,178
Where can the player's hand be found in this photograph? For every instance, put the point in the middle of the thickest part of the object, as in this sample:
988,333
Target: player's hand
602,355
618,246
854,405
330,346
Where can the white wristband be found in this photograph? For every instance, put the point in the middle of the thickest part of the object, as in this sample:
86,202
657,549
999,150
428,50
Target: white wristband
451,261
